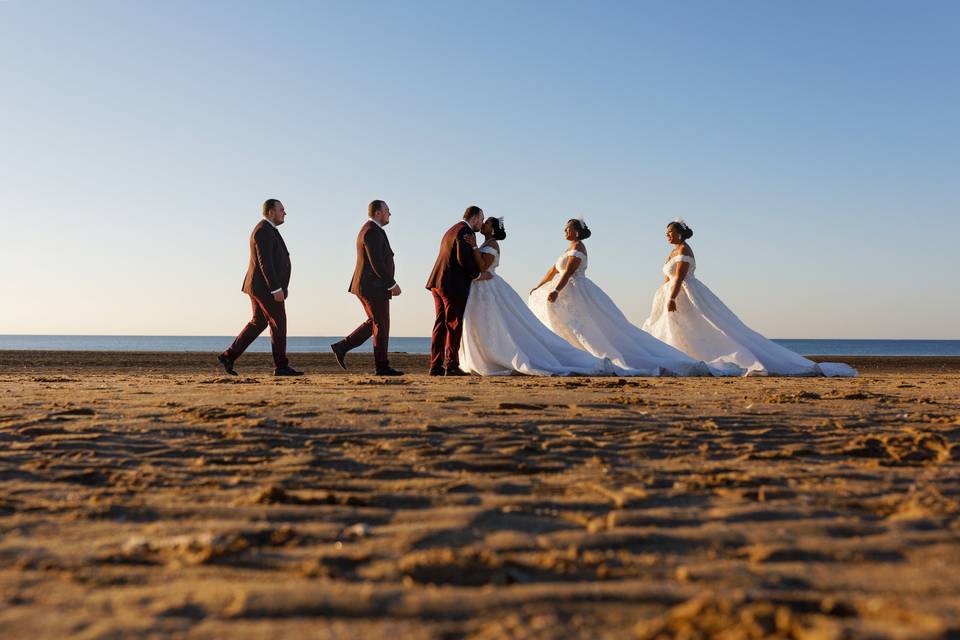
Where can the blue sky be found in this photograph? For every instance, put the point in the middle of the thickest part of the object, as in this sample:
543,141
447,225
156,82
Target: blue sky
814,147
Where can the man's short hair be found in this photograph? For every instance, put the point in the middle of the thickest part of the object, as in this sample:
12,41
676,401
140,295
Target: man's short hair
375,207
269,205
472,211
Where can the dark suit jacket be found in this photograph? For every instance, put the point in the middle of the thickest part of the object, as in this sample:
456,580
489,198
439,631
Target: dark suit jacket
373,275
269,268
455,267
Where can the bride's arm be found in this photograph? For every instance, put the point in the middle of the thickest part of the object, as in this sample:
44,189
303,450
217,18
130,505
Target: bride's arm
547,278
679,275
572,264
483,260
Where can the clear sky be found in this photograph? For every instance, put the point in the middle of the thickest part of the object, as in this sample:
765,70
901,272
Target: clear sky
813,146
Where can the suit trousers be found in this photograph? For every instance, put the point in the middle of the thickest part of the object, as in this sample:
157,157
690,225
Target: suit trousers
266,312
447,329
377,325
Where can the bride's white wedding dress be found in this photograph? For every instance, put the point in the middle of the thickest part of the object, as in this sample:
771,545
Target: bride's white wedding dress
501,336
587,318
704,328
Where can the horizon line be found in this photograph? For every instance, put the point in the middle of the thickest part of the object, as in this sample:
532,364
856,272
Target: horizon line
425,337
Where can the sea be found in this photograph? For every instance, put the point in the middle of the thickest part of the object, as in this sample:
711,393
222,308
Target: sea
298,344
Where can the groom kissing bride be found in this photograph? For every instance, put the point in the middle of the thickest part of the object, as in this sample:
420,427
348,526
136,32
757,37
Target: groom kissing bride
449,282
483,323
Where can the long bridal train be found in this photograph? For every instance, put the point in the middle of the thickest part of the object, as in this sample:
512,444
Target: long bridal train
501,336
586,317
703,327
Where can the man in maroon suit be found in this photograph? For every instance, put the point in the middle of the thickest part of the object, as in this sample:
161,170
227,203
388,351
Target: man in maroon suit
268,276
374,285
449,282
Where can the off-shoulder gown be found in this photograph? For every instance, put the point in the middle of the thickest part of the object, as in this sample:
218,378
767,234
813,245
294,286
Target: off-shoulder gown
706,329
587,318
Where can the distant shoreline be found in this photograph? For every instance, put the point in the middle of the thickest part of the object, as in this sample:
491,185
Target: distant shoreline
421,345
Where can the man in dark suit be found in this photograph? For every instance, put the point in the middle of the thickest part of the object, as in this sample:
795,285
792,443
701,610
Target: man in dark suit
373,283
449,282
268,276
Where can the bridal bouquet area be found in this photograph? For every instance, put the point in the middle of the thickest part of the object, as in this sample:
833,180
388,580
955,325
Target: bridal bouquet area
160,497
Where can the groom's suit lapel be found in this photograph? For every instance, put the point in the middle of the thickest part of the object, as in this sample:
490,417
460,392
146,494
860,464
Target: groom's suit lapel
373,226
283,244
386,239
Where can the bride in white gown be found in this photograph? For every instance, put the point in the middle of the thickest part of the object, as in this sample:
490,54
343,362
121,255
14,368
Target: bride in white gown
580,312
687,315
500,334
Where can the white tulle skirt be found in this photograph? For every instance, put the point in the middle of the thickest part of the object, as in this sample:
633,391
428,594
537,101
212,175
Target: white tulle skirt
587,318
706,329
501,336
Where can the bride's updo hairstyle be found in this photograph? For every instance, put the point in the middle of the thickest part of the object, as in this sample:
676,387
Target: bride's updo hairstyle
580,227
499,233
682,229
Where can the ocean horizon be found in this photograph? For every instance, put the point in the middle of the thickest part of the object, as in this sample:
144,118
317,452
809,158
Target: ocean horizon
421,345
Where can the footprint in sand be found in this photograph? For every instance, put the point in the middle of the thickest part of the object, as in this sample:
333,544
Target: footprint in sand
521,406
75,412
225,380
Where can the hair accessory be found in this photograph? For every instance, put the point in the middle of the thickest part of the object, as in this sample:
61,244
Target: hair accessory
682,223
500,220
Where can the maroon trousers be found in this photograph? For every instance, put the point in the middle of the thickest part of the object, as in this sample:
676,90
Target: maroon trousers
377,325
266,312
447,329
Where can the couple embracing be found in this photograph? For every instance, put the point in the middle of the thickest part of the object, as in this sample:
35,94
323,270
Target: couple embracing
483,325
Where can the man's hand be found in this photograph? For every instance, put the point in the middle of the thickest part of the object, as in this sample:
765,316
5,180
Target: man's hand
395,291
552,297
672,305
278,296
486,275
472,240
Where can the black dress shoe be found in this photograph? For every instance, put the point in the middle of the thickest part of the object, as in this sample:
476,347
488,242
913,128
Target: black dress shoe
437,372
227,364
389,371
456,371
339,354
287,371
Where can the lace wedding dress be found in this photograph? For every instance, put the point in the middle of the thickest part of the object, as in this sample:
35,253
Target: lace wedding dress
704,328
587,318
501,336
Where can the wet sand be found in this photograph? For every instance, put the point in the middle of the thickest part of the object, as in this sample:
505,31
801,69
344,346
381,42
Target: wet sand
149,495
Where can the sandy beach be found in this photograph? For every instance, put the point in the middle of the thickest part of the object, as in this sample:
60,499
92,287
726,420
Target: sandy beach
150,495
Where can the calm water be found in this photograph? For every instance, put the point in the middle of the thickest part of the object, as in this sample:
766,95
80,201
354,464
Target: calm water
422,345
